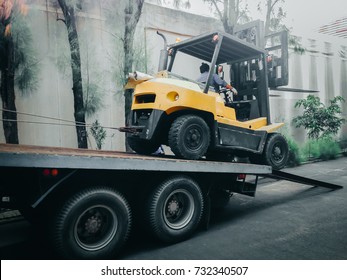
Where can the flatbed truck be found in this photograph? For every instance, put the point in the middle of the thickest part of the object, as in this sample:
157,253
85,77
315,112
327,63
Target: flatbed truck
86,201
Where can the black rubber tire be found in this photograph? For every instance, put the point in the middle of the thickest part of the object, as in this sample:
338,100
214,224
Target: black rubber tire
276,151
189,137
92,224
175,209
143,147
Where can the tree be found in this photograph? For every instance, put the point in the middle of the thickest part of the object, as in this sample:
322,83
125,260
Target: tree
319,120
130,58
18,65
274,15
93,80
99,134
230,12
69,8
233,12
132,13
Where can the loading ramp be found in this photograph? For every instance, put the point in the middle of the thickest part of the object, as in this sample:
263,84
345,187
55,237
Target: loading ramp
277,174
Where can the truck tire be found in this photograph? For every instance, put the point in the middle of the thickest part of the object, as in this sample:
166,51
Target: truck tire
92,224
143,147
189,137
175,209
276,151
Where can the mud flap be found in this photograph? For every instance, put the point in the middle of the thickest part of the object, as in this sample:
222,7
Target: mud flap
246,187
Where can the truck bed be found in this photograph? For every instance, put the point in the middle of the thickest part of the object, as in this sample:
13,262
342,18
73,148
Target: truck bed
55,157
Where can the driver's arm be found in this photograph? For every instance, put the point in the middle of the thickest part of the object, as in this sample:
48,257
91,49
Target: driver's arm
223,83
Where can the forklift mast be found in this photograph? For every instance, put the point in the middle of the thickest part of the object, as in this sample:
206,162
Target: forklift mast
276,45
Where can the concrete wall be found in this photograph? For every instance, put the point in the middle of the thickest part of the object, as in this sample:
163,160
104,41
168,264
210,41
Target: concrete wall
53,97
174,25
101,58
321,68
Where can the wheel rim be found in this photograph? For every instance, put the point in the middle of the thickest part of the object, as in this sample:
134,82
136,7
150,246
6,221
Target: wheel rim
193,137
178,209
278,152
96,227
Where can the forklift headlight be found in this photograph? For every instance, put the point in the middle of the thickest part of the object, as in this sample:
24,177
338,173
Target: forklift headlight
173,96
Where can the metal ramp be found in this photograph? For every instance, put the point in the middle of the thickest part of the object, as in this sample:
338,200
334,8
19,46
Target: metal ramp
276,174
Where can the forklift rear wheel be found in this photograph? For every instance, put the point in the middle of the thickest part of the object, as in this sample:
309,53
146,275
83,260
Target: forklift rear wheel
143,147
175,209
276,151
189,137
92,224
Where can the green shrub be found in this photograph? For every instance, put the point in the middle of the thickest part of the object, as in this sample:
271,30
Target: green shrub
329,149
99,134
296,157
311,149
343,146
323,148
318,119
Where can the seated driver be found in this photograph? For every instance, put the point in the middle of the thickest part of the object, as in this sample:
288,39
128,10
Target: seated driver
217,81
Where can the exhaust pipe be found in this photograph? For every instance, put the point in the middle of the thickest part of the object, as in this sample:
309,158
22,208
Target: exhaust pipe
164,56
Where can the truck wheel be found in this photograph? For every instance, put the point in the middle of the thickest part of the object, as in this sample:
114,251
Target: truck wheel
175,209
276,151
143,147
93,224
189,137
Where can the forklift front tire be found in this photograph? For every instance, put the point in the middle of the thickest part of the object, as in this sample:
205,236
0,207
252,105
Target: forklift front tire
143,147
189,137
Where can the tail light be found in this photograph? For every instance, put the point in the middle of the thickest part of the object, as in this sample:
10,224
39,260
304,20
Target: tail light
50,172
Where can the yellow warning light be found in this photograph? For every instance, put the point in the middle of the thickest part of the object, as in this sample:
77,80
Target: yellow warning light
178,39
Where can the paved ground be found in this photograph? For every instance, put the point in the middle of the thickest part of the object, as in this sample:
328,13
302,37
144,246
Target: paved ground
284,221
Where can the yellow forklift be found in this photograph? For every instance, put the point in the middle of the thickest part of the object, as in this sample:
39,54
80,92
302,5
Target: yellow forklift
197,122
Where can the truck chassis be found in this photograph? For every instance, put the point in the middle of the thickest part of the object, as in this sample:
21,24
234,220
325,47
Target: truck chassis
87,200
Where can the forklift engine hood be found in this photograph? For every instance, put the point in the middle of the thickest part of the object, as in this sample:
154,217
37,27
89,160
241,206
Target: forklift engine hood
162,77
136,78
